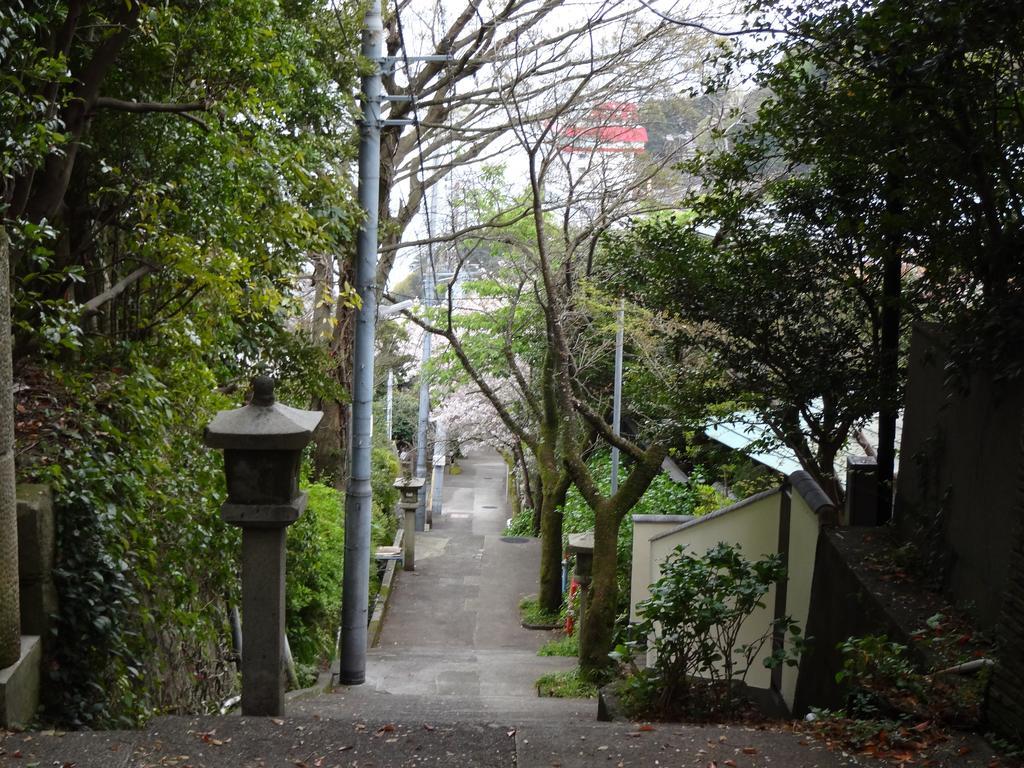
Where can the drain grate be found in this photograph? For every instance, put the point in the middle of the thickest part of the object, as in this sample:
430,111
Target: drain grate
515,539
488,506
488,477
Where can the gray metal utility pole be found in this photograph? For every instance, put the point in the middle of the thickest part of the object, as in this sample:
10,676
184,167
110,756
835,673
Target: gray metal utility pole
358,496
424,414
617,391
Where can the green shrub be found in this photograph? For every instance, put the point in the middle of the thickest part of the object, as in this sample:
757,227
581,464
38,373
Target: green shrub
316,545
145,567
877,676
383,471
693,618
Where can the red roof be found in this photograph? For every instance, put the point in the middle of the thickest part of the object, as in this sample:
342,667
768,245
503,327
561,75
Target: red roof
610,127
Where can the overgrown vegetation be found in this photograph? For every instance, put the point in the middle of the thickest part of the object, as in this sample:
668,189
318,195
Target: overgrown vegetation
694,619
898,706
566,645
531,612
167,171
566,685
316,545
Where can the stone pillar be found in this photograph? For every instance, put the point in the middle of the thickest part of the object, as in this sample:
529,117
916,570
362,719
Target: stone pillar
10,626
861,490
263,601
409,541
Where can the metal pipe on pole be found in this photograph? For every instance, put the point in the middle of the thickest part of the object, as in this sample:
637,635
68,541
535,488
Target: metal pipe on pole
358,496
617,391
391,402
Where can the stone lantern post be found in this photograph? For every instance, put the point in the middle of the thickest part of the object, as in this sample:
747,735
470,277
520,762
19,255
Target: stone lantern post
582,545
409,487
262,445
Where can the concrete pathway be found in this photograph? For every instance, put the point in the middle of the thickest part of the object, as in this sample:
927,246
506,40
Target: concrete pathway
452,627
450,684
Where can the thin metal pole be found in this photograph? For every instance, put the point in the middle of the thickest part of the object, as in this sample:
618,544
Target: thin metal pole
424,414
391,402
358,497
437,482
617,396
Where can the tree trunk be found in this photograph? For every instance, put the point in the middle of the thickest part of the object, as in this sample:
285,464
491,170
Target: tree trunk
598,626
330,453
550,597
10,623
555,486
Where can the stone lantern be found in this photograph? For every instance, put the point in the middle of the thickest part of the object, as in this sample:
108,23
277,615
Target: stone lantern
262,445
409,488
582,545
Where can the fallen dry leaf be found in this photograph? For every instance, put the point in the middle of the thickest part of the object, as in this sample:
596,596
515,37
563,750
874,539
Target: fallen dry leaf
730,763
428,727
645,727
750,750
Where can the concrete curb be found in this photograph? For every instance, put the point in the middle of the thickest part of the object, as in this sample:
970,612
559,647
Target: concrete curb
380,605
322,685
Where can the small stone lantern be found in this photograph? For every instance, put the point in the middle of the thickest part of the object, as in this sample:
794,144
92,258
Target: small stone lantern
409,488
582,545
262,445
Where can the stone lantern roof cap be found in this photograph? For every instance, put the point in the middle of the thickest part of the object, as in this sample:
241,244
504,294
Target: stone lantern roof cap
263,425
581,542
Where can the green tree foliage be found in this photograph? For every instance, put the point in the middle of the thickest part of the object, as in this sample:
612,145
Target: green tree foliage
889,141
776,301
910,114
167,171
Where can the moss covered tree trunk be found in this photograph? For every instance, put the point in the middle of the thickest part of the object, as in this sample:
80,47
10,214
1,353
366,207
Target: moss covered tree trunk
597,630
598,626
554,485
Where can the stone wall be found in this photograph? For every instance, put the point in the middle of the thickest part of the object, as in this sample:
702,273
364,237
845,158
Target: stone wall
10,631
36,553
956,496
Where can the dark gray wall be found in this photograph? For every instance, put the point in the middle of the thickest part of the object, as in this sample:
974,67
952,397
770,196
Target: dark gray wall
959,459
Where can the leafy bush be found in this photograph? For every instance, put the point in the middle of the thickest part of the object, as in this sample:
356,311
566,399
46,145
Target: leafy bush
693,618
316,544
878,677
145,567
